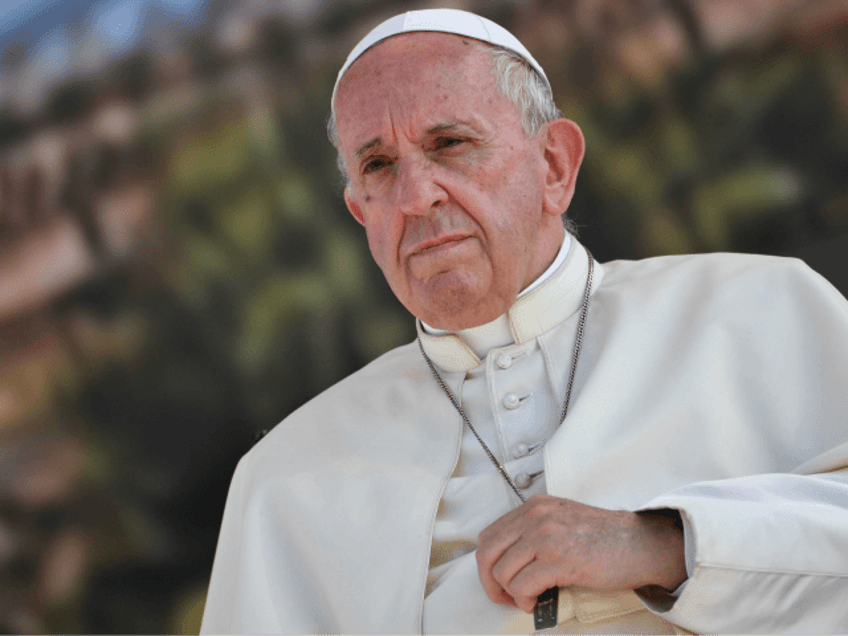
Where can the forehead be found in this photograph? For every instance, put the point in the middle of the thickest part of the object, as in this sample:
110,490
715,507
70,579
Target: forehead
408,50
417,75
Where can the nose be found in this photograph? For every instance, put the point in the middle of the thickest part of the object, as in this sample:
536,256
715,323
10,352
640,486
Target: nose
416,189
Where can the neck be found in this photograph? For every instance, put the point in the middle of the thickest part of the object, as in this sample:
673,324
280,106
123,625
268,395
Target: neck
483,338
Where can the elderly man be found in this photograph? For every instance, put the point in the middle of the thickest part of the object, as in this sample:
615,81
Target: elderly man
663,442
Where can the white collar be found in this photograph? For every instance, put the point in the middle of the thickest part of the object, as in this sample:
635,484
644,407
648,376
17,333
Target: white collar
552,298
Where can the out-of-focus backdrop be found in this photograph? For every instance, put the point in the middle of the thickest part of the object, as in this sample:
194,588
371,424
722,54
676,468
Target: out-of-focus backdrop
178,271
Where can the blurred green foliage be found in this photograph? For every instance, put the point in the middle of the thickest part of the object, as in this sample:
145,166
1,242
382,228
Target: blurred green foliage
284,291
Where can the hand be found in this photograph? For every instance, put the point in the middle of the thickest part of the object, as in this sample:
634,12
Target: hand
549,541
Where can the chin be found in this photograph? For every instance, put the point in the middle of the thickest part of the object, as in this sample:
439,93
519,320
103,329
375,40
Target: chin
454,300
454,312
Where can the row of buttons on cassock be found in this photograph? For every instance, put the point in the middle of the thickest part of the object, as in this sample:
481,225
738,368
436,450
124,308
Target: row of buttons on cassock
523,480
512,401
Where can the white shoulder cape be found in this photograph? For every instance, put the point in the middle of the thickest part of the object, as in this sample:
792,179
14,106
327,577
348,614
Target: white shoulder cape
716,385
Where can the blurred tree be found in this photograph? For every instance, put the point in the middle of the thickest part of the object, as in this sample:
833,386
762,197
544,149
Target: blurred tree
13,127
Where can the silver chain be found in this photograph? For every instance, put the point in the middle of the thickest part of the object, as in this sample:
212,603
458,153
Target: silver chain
581,327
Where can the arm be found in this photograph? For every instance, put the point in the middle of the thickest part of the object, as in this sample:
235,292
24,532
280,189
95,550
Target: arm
769,552
550,541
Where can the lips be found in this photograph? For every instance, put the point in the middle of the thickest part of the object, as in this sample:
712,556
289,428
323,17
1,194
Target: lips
440,256
433,244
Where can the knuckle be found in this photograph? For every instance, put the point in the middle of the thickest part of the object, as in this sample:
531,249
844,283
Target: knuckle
498,575
481,558
517,586
486,535
526,583
548,528
536,510
540,505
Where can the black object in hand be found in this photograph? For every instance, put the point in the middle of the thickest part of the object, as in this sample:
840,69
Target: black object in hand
545,612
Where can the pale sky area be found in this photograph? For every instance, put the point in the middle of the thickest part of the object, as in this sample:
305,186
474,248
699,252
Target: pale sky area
68,36
117,19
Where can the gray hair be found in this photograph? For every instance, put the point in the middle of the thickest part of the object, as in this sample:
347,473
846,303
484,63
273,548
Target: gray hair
514,78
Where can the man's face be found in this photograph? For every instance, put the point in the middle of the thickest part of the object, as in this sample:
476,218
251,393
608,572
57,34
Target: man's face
447,184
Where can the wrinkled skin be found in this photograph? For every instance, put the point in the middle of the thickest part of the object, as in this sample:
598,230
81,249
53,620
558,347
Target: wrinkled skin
550,541
462,209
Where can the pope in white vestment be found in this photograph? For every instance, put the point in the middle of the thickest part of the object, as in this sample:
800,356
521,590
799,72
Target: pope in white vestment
714,385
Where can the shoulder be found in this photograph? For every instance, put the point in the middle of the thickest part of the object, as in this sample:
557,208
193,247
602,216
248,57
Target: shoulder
721,265
717,275
736,298
347,415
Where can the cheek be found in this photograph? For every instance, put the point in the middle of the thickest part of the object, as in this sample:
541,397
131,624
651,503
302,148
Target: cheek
374,244
382,246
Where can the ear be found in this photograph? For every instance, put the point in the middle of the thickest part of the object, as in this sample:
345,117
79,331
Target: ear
563,148
353,206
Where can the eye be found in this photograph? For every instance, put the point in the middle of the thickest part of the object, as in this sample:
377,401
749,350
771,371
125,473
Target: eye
374,164
448,142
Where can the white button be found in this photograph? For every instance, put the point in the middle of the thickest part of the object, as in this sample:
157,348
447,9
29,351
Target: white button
522,480
511,401
504,360
520,450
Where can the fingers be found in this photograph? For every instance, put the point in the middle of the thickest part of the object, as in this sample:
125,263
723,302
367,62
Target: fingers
491,547
507,556
549,541
515,579
504,571
530,582
520,575
518,579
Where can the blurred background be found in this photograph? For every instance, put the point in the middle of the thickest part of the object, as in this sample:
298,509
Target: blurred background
178,271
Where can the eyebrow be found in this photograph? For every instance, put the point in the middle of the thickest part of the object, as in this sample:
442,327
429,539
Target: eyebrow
450,126
367,146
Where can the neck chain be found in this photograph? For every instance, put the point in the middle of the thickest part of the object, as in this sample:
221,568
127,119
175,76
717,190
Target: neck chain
581,326
545,611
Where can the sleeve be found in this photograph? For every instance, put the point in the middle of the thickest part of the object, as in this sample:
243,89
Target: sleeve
769,554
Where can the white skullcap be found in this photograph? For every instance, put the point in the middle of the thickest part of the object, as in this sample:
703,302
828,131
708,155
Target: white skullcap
444,21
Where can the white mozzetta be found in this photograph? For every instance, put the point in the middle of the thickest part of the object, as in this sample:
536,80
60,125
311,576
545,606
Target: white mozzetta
716,385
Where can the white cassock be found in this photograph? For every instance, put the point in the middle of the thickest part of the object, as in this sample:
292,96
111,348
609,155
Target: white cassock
716,385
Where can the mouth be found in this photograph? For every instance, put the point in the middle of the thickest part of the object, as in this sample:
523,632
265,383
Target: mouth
433,245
